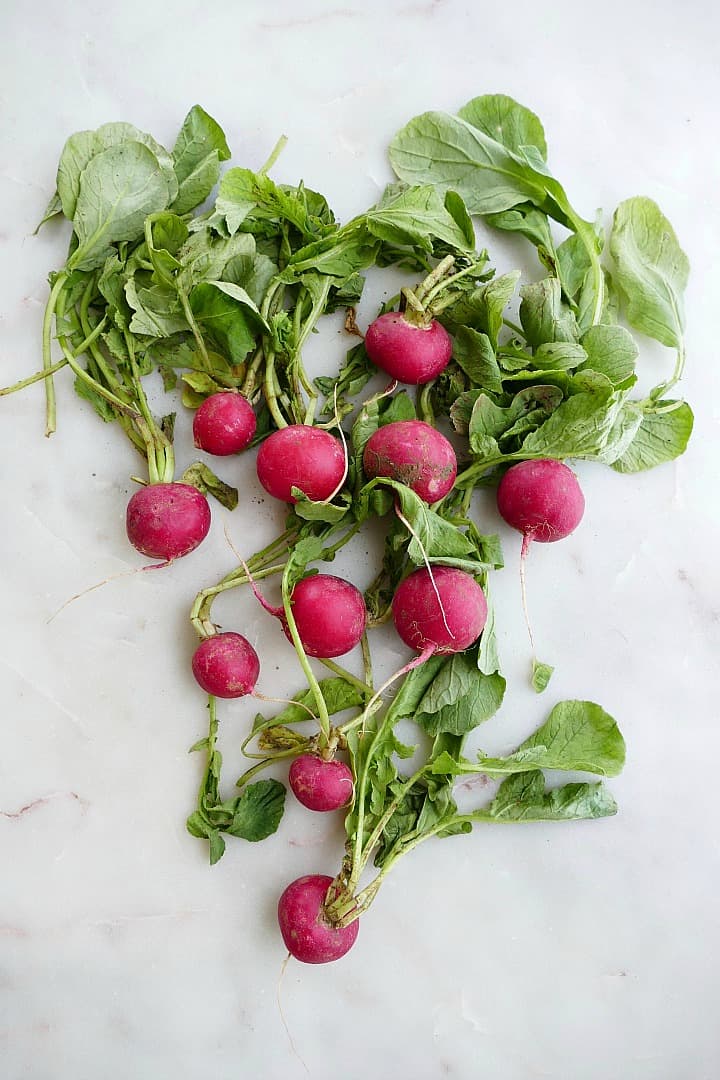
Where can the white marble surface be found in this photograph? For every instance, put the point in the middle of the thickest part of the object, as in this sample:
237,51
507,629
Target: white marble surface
567,952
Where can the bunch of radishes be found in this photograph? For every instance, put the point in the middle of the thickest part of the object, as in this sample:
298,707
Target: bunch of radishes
436,609
229,297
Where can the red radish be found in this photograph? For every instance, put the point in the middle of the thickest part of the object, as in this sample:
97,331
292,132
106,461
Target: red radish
224,424
408,352
449,624
307,934
415,454
541,499
304,457
166,521
329,614
226,665
321,785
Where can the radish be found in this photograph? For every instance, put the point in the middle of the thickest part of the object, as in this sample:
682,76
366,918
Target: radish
303,457
415,454
307,933
442,612
321,785
226,665
224,424
168,520
411,352
541,499
329,614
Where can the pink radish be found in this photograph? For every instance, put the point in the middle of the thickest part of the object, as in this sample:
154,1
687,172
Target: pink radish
168,520
307,934
224,424
443,613
410,352
329,614
321,785
415,454
303,457
541,499
226,665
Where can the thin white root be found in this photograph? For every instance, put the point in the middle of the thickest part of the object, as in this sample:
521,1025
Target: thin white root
417,539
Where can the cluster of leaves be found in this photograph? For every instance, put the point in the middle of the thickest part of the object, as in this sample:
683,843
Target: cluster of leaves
557,385
561,386
226,297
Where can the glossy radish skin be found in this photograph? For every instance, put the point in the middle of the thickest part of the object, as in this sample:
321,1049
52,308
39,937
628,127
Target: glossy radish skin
304,457
418,616
415,454
411,354
321,785
166,521
541,499
308,936
226,665
329,613
224,424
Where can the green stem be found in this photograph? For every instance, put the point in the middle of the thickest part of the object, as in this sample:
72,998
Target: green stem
200,611
44,374
199,340
254,769
436,277
274,155
367,659
448,281
323,716
375,835
50,405
663,388
514,327
365,690
161,460
83,375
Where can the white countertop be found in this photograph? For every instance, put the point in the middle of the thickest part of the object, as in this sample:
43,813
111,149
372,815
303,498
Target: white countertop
572,952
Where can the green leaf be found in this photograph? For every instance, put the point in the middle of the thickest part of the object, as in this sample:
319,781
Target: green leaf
573,263
101,405
523,798
329,512
460,697
579,427
490,421
452,154
531,223
544,314
541,675
433,536
118,189
156,310
559,356
652,270
476,356
415,216
610,350
488,660
578,736
258,811
506,121
660,437
228,316
338,693
199,149
252,271
204,479
54,207
482,309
